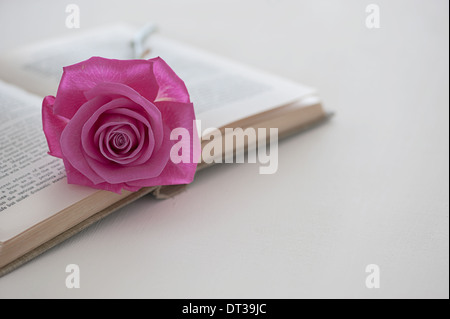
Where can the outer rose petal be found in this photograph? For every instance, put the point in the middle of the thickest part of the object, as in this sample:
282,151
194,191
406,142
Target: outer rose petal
75,177
173,174
80,77
71,145
171,87
53,126
176,115
182,115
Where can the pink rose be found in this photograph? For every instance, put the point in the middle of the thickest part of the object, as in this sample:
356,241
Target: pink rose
111,120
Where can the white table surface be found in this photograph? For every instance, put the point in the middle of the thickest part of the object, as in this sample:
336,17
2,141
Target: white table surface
371,187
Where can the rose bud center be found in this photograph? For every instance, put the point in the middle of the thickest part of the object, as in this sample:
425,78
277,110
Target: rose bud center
119,141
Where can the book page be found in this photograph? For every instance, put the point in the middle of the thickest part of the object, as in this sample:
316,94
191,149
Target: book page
222,91
33,185
37,68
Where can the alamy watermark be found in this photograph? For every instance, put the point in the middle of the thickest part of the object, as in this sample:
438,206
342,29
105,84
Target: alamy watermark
230,145
73,279
73,17
373,16
373,280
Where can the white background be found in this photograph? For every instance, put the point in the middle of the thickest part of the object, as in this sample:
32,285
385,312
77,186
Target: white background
370,187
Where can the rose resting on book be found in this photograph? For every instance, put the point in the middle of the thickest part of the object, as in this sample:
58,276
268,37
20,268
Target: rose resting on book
111,124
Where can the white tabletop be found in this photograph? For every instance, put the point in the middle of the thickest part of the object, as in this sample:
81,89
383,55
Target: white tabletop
370,187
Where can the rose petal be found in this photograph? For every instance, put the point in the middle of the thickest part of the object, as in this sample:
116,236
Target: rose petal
176,115
171,87
130,188
53,126
71,146
88,139
75,177
83,76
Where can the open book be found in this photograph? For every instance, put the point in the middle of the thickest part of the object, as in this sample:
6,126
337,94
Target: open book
38,209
